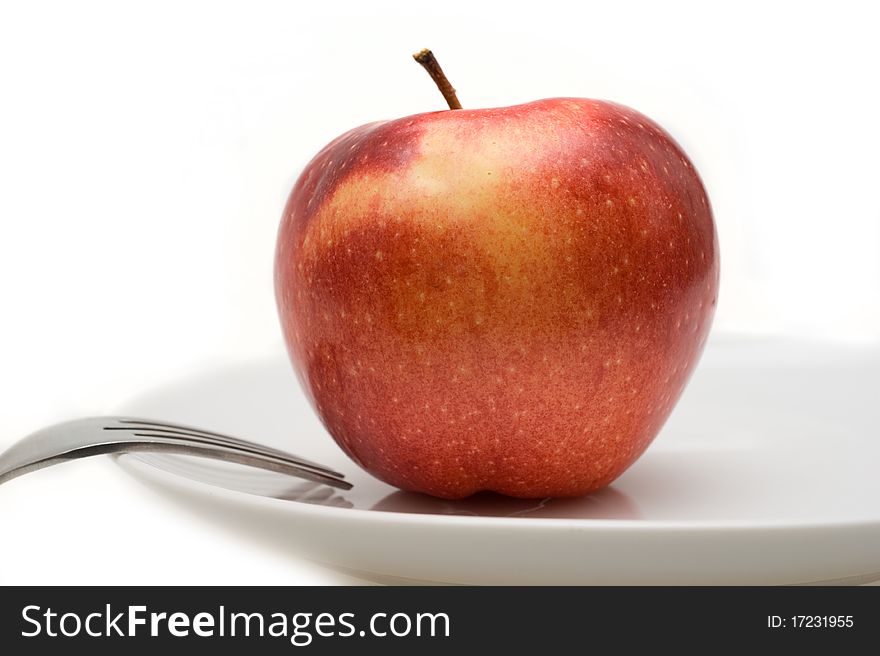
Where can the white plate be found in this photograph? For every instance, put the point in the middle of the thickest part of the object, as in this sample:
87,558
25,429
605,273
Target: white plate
767,473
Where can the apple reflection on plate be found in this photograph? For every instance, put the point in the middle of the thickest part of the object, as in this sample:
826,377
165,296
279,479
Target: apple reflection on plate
607,503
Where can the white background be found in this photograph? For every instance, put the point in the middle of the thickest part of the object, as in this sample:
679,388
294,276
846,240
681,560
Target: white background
146,151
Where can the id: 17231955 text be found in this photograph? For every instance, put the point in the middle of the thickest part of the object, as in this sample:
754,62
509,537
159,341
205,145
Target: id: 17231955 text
810,622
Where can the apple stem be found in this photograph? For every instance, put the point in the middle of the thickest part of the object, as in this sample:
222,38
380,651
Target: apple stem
427,59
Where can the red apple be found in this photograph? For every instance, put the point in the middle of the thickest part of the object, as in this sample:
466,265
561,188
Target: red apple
507,299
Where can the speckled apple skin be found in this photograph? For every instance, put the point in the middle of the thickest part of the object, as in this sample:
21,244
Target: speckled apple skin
505,299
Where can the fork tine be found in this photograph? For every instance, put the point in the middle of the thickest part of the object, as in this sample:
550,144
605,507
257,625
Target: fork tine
281,457
164,425
191,438
89,436
146,424
234,454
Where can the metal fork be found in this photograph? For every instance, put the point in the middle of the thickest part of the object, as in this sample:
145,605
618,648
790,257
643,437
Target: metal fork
96,435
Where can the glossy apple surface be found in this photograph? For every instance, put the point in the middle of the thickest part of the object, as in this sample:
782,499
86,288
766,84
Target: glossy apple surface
505,299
